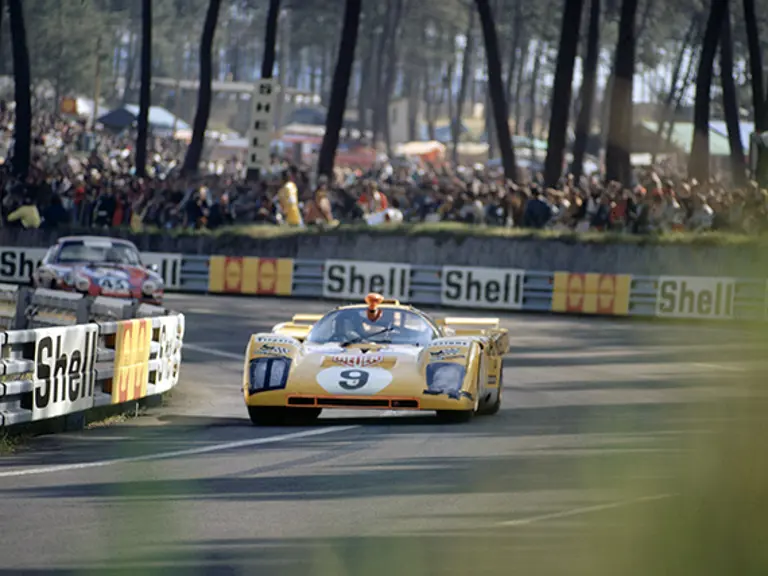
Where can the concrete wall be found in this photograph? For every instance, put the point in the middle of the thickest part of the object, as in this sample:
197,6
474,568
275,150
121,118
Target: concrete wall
745,261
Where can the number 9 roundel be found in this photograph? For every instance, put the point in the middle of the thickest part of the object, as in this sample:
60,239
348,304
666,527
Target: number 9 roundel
341,380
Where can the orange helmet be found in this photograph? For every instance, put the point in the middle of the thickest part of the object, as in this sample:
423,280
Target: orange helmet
374,301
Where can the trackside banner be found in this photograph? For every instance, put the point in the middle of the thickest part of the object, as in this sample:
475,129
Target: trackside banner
352,280
499,288
64,370
695,297
18,264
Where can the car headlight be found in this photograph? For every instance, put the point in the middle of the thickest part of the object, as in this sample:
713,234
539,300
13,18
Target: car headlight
82,283
445,377
268,374
150,287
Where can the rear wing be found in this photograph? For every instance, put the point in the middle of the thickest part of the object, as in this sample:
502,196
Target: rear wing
470,326
490,328
298,327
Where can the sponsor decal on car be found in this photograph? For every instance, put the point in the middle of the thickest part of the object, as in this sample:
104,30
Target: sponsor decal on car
357,360
448,342
445,354
278,340
271,350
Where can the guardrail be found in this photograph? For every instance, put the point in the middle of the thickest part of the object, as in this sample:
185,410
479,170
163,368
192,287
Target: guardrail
451,286
66,353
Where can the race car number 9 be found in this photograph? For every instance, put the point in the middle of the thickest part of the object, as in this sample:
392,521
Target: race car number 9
342,380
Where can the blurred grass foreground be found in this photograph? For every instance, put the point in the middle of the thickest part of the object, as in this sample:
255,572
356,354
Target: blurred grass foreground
712,514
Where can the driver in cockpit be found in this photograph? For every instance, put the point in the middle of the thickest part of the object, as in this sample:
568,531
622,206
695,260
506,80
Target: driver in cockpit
347,327
113,256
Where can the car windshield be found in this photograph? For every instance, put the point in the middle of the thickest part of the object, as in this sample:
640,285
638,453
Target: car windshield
99,253
396,326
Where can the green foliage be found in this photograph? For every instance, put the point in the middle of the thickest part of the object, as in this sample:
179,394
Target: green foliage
447,230
63,38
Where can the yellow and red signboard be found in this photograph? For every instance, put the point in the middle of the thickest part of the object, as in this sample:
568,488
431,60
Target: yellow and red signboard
68,106
256,276
605,294
132,346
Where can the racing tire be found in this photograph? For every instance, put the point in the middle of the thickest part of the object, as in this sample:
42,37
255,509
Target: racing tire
492,409
458,416
302,416
267,415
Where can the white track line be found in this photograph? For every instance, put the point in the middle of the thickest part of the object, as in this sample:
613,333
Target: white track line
722,367
584,510
175,453
214,352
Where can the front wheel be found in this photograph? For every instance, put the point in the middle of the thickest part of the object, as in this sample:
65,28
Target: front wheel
302,416
266,416
455,416
492,409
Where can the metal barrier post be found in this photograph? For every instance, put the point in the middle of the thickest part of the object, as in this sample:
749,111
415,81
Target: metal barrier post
20,321
83,311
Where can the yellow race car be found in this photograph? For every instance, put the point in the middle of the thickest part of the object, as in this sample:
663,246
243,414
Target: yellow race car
380,355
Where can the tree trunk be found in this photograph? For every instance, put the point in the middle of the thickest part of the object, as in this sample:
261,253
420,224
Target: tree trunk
698,163
428,101
731,103
664,115
561,91
588,85
22,133
496,88
519,85
364,94
644,19
490,129
380,70
235,59
514,45
130,66
195,150
539,55
617,150
340,88
393,55
2,59
413,106
270,43
145,95
687,80
450,76
466,70
755,67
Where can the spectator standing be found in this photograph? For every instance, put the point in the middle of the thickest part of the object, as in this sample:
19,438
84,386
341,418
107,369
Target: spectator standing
27,214
288,197
55,215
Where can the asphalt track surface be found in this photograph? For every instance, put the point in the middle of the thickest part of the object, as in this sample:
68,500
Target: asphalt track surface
193,488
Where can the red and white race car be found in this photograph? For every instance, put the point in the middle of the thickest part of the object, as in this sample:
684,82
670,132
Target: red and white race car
99,266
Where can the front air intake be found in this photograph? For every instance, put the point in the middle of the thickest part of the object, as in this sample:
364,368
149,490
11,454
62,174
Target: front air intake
347,402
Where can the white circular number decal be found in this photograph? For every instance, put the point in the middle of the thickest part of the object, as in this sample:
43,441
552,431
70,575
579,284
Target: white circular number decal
343,380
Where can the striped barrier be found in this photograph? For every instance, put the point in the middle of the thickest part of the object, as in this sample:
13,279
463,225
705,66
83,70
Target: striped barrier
451,286
64,354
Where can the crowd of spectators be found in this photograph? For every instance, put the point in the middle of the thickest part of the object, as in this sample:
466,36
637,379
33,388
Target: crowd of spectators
73,184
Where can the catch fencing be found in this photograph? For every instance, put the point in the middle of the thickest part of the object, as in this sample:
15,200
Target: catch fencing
482,288
66,353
